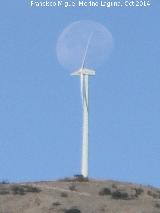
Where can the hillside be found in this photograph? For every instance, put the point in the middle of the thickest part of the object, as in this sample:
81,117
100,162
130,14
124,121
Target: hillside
78,196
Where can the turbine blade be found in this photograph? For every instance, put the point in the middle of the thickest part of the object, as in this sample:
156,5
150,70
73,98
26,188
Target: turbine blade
86,50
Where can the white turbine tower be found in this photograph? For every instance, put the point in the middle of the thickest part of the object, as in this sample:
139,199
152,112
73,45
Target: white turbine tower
84,74
84,44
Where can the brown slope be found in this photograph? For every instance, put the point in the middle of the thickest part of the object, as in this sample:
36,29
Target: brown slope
77,196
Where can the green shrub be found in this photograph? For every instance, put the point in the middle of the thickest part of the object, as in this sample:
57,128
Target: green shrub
23,189
56,203
114,186
76,178
18,190
72,210
72,187
4,182
80,178
119,194
139,191
153,194
64,194
105,191
4,191
157,205
29,188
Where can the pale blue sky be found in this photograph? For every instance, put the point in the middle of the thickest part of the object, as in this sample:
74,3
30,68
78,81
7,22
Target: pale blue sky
40,112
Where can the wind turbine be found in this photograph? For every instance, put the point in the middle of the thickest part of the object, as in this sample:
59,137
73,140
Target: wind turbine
84,74
72,51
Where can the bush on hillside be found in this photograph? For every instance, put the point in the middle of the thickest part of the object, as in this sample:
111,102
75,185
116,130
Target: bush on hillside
105,191
157,205
119,194
18,190
4,191
139,191
155,195
64,194
72,187
72,210
23,189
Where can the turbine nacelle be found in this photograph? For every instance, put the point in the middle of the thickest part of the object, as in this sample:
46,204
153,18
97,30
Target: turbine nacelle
84,71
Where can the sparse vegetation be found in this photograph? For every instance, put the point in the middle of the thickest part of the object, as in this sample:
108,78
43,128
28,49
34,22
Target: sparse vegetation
76,178
4,191
157,205
139,191
155,195
23,189
18,190
105,191
72,210
120,194
76,197
114,186
30,188
102,209
66,179
72,187
64,194
80,178
56,203
4,182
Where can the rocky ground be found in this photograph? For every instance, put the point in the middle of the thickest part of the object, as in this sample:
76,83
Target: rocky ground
78,196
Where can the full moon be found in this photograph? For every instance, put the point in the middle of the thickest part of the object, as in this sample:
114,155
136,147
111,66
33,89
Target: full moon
79,36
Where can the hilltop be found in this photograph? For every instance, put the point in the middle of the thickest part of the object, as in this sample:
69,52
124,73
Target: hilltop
78,195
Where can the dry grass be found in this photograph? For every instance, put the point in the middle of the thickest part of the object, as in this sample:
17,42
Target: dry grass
75,196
